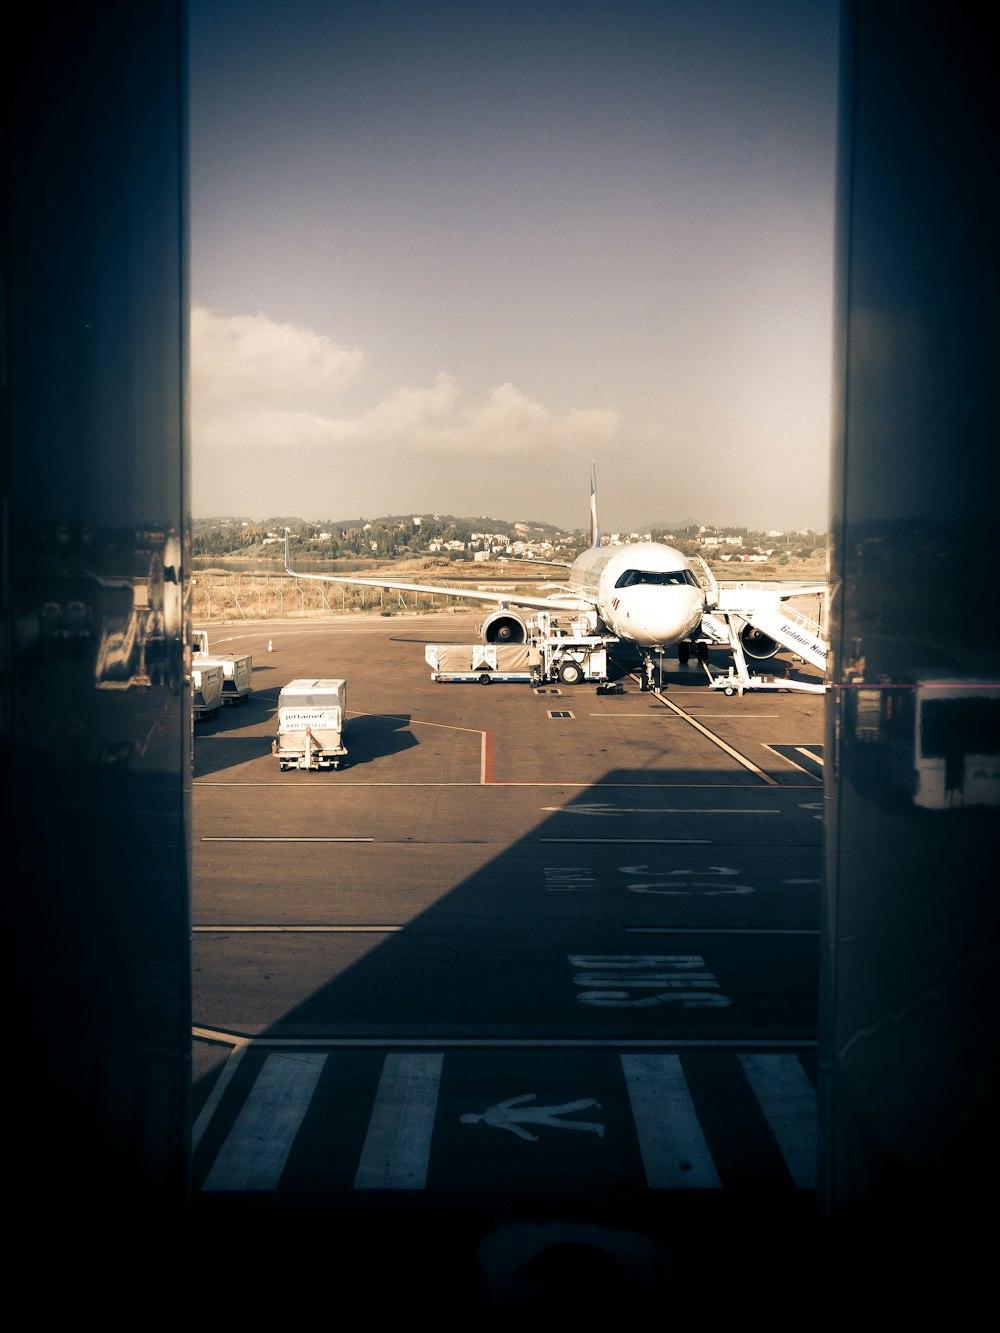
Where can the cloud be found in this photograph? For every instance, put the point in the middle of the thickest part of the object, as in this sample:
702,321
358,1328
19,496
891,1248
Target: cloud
511,422
259,384
243,359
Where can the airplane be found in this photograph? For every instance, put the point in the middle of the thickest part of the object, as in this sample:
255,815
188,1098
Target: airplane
645,594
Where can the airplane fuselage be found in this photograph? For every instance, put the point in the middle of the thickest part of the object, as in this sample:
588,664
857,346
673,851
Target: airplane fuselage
645,592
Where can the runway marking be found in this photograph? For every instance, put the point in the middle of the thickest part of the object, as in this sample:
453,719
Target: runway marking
485,751
714,881
555,887
714,930
717,740
674,1152
502,1043
778,754
605,809
417,722
677,978
248,839
788,1101
296,930
672,842
256,1150
816,758
221,1084
741,715
679,888
398,1144
566,786
568,879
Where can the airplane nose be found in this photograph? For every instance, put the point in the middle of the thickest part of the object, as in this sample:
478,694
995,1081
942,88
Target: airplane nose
656,616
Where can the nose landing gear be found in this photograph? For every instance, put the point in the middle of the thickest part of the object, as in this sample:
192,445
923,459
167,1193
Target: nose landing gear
649,675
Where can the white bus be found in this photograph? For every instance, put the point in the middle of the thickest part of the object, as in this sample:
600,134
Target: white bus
947,733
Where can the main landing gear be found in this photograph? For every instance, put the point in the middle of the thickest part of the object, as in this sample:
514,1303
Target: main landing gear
684,653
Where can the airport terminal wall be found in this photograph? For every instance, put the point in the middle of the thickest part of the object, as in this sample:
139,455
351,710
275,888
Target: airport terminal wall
97,706
97,773
908,1046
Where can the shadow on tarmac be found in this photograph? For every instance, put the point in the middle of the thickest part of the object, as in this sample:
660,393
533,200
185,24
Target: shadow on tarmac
506,1230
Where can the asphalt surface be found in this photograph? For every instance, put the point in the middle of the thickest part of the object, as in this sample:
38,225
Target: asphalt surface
518,1008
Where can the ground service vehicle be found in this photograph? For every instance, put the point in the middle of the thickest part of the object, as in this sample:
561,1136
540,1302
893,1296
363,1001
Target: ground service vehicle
237,672
550,654
237,669
311,724
206,683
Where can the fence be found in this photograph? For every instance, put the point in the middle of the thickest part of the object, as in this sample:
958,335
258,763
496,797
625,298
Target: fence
218,595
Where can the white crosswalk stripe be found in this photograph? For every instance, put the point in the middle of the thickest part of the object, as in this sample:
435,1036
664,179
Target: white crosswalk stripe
392,1147
788,1101
398,1145
254,1155
674,1152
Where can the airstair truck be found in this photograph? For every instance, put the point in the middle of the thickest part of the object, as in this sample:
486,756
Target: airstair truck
311,724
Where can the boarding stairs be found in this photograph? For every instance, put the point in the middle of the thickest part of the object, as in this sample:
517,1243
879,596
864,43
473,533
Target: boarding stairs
792,630
764,607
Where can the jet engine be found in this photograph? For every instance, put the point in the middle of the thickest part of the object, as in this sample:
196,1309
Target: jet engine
756,644
504,627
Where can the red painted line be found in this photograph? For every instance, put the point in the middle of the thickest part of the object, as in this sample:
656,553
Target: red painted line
487,773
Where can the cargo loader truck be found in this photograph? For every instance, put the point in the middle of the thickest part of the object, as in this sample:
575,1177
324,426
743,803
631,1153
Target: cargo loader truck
311,724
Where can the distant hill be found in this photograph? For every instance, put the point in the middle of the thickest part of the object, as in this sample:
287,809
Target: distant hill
677,525
478,523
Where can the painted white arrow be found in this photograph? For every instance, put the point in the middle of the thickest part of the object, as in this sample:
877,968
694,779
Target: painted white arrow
503,1116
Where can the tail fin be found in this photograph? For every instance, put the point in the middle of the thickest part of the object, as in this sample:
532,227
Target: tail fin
595,530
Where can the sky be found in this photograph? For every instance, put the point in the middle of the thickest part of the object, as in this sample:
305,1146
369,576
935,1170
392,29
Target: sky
444,254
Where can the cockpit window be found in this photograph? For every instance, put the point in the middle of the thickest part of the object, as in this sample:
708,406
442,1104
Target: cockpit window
662,577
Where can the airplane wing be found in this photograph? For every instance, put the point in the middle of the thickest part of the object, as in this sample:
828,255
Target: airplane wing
802,590
566,602
534,560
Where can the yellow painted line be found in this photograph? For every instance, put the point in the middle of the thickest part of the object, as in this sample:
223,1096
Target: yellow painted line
717,740
730,715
